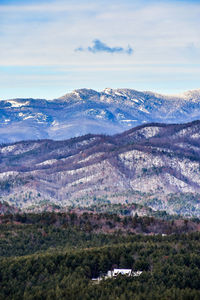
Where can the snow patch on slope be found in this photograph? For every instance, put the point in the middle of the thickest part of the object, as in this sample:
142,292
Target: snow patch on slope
48,162
17,103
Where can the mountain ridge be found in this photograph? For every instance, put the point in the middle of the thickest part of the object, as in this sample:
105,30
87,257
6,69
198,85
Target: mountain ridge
153,164
108,112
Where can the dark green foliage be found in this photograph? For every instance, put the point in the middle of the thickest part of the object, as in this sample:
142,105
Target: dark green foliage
73,256
171,270
23,234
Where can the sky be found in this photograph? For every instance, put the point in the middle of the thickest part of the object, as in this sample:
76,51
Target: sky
49,48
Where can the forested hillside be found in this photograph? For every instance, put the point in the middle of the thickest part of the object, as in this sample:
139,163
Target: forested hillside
156,165
29,233
56,255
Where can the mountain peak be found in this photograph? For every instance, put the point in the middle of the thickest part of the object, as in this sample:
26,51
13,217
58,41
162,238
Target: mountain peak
193,95
107,90
79,94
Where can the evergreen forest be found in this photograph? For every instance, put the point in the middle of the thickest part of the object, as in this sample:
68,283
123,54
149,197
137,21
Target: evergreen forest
56,256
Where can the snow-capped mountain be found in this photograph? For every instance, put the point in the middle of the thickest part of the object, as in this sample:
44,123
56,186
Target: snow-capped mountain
87,111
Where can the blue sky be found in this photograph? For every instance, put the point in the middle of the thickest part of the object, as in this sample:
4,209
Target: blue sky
49,48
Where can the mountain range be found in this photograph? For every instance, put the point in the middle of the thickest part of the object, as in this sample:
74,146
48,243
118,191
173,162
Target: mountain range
157,165
87,111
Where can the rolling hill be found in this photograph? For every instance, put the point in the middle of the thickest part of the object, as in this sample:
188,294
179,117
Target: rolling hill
157,165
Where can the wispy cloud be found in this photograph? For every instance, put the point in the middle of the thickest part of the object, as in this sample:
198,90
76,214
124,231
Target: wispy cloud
99,46
44,7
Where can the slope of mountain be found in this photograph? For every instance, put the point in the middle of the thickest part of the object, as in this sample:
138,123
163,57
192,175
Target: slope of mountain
108,112
6,209
156,165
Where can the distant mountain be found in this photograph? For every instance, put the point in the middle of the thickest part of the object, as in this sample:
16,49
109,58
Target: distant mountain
87,111
157,165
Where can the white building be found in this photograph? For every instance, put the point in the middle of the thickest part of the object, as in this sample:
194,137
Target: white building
115,272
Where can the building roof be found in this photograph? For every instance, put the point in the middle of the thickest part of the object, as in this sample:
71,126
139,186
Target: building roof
122,271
